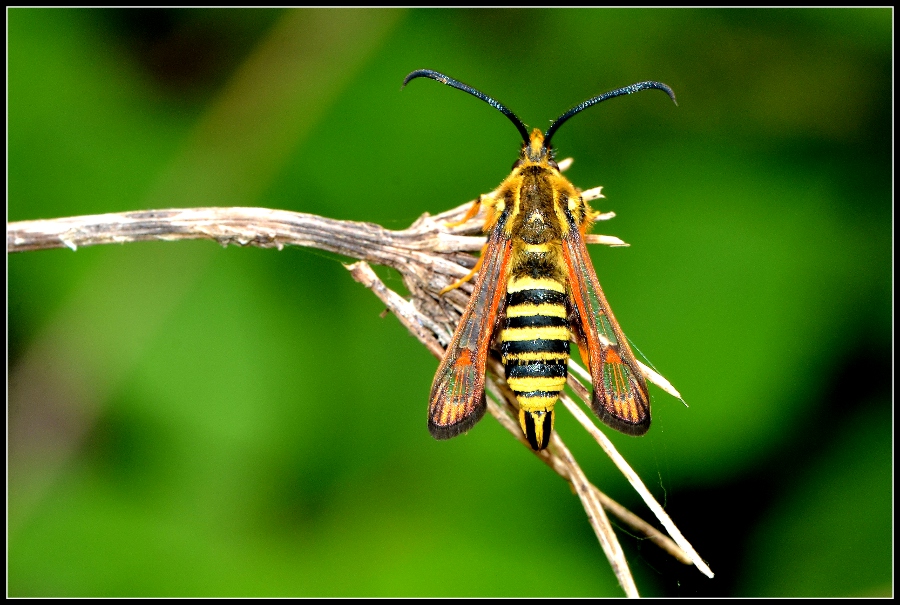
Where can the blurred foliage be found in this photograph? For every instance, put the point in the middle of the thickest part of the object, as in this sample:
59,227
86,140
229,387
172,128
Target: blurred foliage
187,420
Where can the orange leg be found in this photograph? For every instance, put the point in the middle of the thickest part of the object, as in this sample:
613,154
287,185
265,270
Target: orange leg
476,205
471,274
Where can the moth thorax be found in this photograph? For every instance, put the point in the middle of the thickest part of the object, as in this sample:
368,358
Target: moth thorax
536,217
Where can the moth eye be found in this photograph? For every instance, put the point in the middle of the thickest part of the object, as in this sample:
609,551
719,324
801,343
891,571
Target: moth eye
516,164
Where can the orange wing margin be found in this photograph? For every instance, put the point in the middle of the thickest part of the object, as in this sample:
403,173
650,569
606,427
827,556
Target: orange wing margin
457,395
620,399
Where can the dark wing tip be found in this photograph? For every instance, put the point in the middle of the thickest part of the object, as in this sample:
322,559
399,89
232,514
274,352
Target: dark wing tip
448,431
635,429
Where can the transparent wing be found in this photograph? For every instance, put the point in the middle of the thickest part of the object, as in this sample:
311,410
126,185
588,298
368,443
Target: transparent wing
620,395
457,394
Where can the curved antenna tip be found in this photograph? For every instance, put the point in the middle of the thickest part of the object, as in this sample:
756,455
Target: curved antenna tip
663,87
625,90
439,77
425,73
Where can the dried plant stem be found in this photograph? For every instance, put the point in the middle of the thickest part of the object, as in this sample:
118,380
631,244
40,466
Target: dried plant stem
635,482
429,256
598,519
557,456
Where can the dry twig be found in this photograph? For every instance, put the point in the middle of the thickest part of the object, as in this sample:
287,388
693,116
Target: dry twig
429,256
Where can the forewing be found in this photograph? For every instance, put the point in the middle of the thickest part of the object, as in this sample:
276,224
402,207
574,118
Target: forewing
620,395
457,394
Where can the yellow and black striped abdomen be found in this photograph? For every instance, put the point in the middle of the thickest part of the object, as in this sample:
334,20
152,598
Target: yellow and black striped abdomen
534,344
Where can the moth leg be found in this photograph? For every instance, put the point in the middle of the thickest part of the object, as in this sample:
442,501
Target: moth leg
471,274
476,206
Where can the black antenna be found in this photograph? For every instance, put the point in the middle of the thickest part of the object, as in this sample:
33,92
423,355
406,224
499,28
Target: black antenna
429,73
554,126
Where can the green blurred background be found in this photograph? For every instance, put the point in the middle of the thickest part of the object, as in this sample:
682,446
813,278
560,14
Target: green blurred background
191,420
